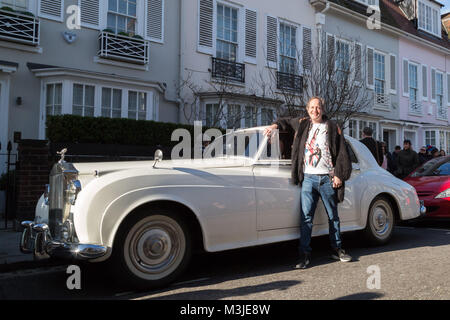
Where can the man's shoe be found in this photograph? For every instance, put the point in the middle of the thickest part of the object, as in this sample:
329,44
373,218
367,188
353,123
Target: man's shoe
339,254
304,261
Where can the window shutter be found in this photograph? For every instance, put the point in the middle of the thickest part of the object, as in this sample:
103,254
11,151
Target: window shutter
205,32
272,41
307,49
90,12
433,85
424,83
155,20
370,73
405,78
330,54
393,71
51,9
358,57
250,35
448,89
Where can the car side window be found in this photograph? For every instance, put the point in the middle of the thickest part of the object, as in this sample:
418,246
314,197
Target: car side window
351,153
443,169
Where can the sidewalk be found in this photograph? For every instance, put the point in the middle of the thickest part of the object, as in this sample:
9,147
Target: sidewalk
12,259
9,247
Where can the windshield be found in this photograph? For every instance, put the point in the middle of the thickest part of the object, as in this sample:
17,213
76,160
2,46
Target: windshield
434,167
241,144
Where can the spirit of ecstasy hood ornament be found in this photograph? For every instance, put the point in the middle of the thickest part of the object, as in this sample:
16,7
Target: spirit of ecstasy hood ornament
62,153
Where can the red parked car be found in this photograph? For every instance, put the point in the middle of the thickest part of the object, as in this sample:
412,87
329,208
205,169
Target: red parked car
432,183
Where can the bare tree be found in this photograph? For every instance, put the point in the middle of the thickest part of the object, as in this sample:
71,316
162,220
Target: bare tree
332,70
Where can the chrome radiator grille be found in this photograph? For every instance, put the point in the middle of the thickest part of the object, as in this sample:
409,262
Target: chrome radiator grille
59,207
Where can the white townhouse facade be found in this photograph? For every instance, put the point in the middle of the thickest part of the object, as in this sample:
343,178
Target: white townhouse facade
375,48
238,56
120,60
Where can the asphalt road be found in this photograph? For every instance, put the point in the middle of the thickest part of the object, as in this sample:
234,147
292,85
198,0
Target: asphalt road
414,265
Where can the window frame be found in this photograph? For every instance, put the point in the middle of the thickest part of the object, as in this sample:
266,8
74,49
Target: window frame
126,16
228,42
240,51
347,68
440,94
430,139
83,106
14,6
53,83
281,56
416,65
427,19
384,81
138,92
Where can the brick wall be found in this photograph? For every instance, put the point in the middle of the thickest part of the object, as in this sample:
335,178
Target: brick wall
32,175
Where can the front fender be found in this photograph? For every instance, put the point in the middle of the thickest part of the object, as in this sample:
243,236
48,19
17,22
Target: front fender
121,207
403,194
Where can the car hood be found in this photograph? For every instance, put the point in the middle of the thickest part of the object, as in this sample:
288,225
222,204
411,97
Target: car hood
91,168
428,183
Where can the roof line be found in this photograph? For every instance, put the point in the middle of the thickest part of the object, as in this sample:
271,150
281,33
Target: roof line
393,29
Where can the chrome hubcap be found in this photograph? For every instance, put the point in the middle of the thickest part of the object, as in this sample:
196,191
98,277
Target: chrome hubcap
382,219
155,246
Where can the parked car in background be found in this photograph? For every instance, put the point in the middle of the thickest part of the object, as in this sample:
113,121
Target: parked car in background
147,217
432,183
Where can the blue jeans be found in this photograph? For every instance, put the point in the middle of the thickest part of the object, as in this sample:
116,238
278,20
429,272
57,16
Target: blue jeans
314,186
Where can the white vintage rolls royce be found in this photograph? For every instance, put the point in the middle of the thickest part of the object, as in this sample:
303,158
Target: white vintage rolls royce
146,217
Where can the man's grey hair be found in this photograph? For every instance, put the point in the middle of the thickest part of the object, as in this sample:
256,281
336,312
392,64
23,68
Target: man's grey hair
321,102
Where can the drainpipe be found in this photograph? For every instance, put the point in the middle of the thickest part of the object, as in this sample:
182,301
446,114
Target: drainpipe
180,99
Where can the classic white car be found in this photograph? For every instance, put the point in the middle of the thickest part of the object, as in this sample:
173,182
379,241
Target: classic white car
146,217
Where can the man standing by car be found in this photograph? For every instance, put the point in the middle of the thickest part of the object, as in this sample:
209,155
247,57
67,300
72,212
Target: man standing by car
407,160
373,145
320,165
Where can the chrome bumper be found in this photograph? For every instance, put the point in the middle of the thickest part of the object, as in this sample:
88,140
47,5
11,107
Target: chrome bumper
36,239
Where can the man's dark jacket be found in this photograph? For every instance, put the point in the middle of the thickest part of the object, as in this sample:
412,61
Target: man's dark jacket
407,161
374,148
336,142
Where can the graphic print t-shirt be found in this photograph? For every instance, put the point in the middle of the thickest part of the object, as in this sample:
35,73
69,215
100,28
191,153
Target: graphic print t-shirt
317,159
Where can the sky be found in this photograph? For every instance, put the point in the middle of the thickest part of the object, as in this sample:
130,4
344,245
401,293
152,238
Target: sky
447,6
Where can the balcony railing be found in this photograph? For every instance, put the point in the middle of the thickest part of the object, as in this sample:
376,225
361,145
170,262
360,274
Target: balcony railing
123,48
228,70
18,27
382,100
415,107
289,81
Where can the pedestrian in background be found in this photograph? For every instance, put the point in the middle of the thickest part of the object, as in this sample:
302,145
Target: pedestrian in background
442,152
434,153
388,161
423,155
407,160
373,145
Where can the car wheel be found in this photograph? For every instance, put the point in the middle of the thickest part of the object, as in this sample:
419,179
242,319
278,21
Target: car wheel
380,222
152,249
